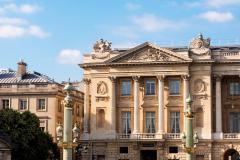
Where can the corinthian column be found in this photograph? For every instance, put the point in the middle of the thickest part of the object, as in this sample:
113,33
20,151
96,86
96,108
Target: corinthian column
113,104
160,104
86,105
185,95
218,106
136,105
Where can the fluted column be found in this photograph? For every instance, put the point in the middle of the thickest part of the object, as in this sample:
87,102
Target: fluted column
113,104
136,105
218,105
86,105
160,104
185,95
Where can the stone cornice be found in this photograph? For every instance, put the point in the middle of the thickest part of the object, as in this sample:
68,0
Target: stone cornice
86,65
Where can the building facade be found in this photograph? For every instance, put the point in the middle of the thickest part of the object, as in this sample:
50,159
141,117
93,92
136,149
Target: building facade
24,90
135,101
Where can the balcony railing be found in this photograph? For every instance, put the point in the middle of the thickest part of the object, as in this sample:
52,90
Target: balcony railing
143,136
172,135
231,135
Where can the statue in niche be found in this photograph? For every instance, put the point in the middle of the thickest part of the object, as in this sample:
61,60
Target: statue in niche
102,88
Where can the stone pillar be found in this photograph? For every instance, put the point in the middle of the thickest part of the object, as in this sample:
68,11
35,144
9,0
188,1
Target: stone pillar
113,105
136,105
86,105
160,104
185,96
218,106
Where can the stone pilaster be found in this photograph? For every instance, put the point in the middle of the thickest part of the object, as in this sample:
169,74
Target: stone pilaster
136,105
218,106
186,79
87,82
160,104
113,104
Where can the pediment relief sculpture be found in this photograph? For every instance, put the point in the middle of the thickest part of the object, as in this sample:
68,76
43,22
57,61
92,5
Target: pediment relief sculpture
151,55
101,49
200,46
102,88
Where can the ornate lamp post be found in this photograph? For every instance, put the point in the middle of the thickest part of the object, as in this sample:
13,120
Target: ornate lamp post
65,132
189,139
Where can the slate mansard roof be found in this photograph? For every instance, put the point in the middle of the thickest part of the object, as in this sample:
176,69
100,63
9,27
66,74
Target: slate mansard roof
8,76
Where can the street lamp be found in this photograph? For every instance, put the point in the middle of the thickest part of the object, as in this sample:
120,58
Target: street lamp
65,132
189,139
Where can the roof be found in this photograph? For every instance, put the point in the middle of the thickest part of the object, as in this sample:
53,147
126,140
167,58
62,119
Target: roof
8,76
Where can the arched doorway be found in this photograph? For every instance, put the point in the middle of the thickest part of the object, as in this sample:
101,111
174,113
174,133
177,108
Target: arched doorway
231,154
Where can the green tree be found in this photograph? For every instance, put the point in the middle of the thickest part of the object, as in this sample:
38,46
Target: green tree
29,142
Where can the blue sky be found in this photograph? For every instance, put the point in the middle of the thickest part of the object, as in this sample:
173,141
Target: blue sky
52,35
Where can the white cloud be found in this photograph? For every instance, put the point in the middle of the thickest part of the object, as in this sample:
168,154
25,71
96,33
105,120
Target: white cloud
221,3
23,8
37,32
133,6
213,3
152,23
12,21
218,17
9,31
69,56
125,31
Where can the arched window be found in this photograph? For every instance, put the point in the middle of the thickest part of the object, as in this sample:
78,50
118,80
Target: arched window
100,118
199,117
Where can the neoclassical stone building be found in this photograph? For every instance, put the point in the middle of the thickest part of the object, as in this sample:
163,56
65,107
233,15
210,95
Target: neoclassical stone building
135,101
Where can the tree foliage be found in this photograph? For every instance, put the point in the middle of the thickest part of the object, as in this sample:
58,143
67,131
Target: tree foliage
29,142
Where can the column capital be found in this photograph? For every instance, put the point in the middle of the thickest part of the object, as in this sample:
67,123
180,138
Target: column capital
86,81
186,77
113,79
218,77
161,77
136,78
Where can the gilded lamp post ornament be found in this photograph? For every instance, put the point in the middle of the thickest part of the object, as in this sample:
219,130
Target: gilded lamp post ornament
189,139
66,136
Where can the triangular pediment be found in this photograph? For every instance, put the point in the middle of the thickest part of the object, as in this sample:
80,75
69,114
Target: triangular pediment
148,52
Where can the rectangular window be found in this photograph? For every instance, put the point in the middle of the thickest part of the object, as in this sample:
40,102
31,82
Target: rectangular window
234,88
123,150
150,87
173,149
126,122
126,88
174,87
150,122
234,119
175,122
41,104
23,104
78,110
5,103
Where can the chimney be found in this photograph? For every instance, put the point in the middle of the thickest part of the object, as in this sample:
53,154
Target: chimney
22,69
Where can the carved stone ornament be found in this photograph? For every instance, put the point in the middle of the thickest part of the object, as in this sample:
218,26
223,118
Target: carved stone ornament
101,49
200,46
151,55
102,88
199,86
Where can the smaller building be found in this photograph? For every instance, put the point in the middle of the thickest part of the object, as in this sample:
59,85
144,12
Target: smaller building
24,90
